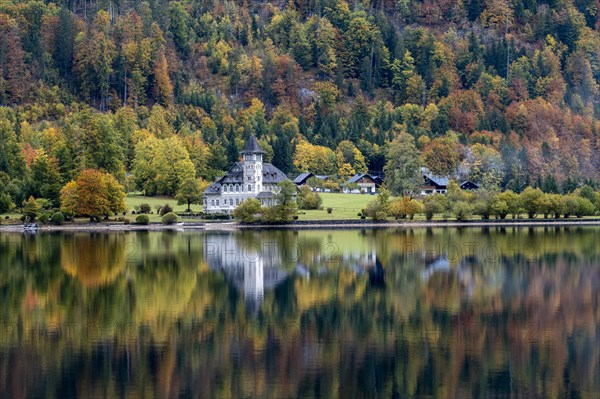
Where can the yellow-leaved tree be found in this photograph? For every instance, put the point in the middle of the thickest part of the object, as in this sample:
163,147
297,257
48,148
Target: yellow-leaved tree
94,194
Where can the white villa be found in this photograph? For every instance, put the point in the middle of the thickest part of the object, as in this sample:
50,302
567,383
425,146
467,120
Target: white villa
250,178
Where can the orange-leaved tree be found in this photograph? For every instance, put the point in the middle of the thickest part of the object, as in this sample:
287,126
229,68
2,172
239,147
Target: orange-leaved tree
94,194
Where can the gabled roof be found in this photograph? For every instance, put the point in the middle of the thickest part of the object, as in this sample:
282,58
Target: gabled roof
271,174
469,182
234,175
357,177
378,179
252,146
438,180
302,177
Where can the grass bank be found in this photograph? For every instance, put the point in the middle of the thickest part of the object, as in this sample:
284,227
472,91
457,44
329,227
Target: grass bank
344,207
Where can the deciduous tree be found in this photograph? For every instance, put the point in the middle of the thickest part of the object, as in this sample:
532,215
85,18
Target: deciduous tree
403,166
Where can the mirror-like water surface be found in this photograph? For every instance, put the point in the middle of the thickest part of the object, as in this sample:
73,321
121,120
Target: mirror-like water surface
358,313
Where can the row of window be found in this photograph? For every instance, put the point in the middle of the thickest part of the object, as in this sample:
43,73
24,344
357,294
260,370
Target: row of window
235,188
225,202
232,201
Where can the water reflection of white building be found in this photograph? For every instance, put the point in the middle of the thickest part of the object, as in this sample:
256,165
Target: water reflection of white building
252,267
470,271
357,260
360,260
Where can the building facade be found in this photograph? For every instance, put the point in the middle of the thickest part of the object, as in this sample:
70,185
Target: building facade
433,184
362,182
249,178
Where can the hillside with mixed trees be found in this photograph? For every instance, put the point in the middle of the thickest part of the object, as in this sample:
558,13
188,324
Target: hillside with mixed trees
155,92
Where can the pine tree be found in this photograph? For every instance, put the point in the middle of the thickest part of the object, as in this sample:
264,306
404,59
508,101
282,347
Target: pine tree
233,154
282,157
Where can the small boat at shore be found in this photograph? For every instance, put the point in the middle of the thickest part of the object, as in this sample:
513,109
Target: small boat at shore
30,227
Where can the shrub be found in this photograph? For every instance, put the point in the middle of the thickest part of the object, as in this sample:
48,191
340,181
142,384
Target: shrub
31,209
500,208
530,201
505,203
332,186
142,219
579,206
462,210
405,206
6,203
166,209
329,210
170,218
483,202
558,205
145,208
57,218
433,204
44,218
378,209
309,199
248,211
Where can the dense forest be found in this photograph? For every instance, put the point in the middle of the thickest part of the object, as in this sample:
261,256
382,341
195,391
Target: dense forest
154,92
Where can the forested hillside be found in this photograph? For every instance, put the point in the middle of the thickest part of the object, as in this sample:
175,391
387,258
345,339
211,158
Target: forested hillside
153,92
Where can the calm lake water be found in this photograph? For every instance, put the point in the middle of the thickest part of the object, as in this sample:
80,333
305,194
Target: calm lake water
446,313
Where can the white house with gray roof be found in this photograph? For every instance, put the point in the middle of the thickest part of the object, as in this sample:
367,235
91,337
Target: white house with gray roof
249,178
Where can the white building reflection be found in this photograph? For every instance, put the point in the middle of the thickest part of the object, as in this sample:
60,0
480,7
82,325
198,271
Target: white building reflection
251,266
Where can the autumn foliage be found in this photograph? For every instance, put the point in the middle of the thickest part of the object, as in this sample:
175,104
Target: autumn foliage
501,92
93,194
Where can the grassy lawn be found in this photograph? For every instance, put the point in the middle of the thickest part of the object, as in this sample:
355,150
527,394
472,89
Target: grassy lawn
344,206
133,200
13,218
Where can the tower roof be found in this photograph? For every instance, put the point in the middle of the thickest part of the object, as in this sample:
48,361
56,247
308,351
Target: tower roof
252,146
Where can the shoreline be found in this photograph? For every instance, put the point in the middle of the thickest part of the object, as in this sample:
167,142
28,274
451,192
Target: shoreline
302,225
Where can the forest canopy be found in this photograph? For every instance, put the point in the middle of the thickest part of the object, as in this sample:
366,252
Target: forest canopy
499,90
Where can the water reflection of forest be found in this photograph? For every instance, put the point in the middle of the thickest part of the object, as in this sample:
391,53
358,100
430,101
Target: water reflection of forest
446,312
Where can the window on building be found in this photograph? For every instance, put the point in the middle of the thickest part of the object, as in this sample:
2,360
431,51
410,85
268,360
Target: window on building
225,189
249,187
212,202
217,202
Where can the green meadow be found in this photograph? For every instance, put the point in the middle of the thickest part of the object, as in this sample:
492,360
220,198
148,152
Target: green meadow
343,206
